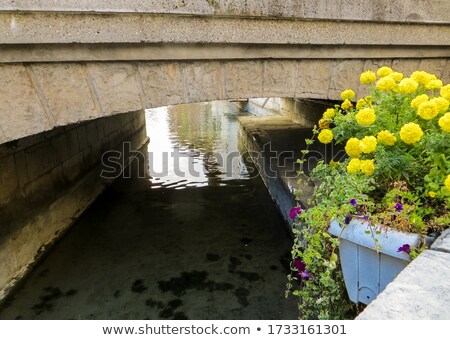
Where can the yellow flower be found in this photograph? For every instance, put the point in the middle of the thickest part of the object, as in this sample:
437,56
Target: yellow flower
411,133
325,136
397,76
407,86
386,137
366,117
445,91
347,94
442,104
347,104
432,194
360,104
354,166
324,123
447,182
367,167
422,77
434,84
384,71
444,122
334,164
385,84
353,147
419,100
367,77
427,110
368,144
329,113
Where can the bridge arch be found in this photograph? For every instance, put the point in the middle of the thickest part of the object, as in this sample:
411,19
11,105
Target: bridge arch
41,96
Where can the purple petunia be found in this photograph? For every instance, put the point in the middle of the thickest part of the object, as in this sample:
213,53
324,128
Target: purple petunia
347,218
295,211
302,272
406,248
300,265
398,206
353,202
306,274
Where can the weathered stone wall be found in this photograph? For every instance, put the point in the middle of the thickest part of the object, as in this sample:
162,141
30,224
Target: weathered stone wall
39,97
304,112
381,10
48,180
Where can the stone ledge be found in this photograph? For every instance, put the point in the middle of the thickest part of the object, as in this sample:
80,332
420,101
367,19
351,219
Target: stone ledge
185,52
361,10
443,242
58,28
420,292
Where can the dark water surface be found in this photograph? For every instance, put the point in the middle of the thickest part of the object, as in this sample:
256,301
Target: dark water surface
209,246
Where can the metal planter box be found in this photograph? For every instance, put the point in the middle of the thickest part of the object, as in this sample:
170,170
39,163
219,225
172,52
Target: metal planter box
366,271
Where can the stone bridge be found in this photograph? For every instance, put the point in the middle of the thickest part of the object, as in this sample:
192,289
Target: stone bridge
76,75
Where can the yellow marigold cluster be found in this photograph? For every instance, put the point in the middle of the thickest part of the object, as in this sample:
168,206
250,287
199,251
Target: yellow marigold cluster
432,194
397,76
407,86
385,84
347,105
367,167
384,71
354,166
422,77
353,148
411,133
329,113
325,136
367,77
447,182
434,84
419,100
444,122
368,144
366,117
347,94
445,92
386,138
442,104
427,110
324,123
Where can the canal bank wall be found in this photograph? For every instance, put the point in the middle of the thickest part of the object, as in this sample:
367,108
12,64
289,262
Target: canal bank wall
274,144
48,180
305,112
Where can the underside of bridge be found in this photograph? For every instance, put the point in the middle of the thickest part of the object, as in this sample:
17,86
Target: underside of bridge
75,77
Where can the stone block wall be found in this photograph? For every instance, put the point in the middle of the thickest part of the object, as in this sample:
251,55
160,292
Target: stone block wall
304,112
49,179
32,99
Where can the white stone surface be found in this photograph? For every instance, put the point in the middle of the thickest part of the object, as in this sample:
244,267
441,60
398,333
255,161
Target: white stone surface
420,292
443,242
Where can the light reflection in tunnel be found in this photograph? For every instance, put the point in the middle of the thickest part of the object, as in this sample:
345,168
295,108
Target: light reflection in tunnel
194,145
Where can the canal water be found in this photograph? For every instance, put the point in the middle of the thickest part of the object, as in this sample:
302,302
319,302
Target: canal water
198,239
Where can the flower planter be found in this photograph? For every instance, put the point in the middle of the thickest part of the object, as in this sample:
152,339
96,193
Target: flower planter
366,271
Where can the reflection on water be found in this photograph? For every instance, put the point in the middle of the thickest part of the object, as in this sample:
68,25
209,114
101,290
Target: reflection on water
195,145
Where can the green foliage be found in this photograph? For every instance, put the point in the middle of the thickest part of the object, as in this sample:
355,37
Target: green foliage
406,189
